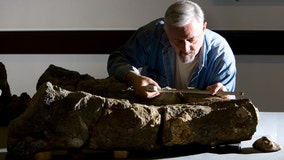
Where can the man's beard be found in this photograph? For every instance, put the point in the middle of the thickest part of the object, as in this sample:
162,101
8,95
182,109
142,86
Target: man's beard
186,57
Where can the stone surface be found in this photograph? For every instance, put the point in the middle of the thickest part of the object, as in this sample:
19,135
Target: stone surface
55,119
11,106
265,144
101,114
4,86
214,124
111,88
125,126
60,119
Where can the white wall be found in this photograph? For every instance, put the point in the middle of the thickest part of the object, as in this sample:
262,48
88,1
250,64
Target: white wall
260,77
23,71
130,14
78,14
244,14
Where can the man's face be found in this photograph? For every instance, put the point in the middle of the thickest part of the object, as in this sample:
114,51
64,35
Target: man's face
186,40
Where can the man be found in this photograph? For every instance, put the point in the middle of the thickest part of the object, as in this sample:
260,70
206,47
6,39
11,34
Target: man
177,51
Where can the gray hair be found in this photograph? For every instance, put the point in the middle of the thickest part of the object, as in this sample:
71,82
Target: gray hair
182,12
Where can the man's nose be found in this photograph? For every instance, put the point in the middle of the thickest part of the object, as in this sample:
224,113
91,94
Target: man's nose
186,46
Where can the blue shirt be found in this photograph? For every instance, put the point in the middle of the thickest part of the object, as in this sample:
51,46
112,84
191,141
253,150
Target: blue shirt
148,52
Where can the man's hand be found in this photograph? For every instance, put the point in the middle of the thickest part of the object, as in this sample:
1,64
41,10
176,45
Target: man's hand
217,88
140,84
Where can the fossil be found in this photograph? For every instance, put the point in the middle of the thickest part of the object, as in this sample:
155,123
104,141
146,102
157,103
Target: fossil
265,144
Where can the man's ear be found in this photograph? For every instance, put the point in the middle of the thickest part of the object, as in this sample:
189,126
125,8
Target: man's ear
204,26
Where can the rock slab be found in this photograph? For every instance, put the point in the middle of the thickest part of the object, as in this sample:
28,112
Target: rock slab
63,119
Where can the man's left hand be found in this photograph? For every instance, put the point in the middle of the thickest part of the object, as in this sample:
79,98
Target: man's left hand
217,88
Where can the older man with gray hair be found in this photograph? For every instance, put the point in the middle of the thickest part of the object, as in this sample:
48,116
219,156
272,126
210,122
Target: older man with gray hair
177,51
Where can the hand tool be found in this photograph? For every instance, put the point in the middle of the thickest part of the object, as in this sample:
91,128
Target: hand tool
196,91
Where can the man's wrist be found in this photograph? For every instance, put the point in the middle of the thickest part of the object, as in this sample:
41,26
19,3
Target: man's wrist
130,77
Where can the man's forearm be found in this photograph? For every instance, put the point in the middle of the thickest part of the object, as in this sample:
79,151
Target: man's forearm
131,78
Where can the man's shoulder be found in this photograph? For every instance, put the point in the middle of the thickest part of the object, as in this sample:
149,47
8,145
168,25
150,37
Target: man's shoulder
212,34
157,23
152,29
214,41
212,37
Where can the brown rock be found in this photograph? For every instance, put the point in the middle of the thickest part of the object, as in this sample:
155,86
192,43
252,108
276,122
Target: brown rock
4,86
126,126
10,106
59,76
57,118
266,144
214,124
111,88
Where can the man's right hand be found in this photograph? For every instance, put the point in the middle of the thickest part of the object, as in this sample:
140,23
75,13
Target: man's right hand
140,83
